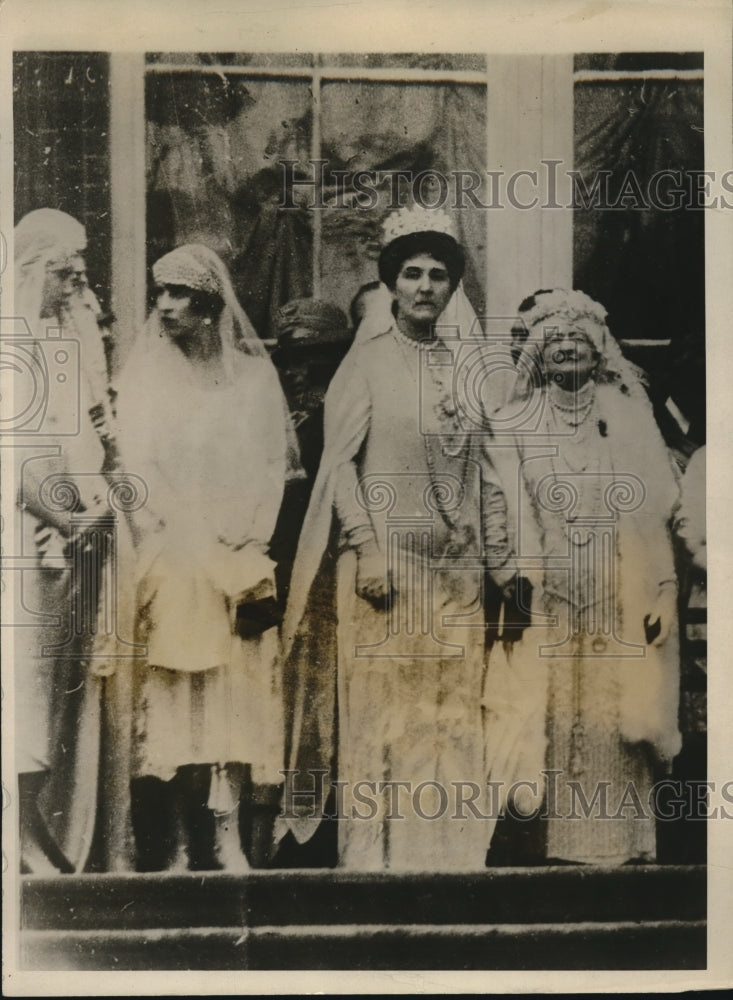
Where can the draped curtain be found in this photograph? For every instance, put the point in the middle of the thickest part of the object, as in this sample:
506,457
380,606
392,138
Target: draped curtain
413,127
212,149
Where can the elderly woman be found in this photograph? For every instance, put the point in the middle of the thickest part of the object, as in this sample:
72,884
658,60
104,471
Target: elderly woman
394,504
203,421
589,694
61,376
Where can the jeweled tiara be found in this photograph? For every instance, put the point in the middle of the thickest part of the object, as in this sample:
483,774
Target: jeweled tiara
417,220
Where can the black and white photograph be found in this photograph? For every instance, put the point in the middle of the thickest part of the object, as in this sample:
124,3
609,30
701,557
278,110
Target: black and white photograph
356,392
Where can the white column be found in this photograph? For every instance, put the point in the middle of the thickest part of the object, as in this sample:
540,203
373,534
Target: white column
530,122
127,190
558,130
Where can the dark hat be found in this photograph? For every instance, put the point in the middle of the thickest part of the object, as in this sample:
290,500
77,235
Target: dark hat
309,323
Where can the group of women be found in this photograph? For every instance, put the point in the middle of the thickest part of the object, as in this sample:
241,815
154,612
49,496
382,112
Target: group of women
470,610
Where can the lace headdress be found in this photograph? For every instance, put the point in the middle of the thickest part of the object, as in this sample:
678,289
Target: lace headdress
574,307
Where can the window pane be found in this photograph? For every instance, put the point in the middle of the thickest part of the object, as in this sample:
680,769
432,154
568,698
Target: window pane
637,61
379,127
644,263
408,60
61,127
213,146
259,59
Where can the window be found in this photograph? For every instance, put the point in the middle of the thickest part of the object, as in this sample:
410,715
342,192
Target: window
219,126
639,127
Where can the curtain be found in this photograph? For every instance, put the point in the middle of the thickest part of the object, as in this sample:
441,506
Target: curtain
646,265
213,145
386,127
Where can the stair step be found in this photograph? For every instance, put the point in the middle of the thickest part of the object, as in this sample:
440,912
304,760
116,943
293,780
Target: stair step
310,898
664,944
585,945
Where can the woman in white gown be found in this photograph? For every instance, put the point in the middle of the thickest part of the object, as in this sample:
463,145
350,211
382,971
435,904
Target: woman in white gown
59,460
203,422
394,511
583,709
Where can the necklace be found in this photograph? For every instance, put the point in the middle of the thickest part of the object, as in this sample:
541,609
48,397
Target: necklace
577,419
571,408
443,493
577,464
568,399
410,341
585,483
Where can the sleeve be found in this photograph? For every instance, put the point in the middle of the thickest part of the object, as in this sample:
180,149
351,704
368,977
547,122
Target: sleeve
247,462
498,550
354,520
494,525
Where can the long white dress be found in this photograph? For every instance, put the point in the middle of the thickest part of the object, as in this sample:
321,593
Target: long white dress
213,458
58,457
583,695
408,682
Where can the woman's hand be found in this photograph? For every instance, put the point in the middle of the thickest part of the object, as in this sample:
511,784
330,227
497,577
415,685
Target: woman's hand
372,583
659,620
50,546
505,578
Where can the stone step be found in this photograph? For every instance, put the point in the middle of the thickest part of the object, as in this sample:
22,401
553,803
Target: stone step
587,945
314,897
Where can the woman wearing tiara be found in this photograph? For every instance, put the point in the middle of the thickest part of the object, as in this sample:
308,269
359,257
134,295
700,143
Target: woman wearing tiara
589,695
203,421
393,513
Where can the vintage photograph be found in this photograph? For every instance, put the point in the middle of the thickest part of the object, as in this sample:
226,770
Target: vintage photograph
354,553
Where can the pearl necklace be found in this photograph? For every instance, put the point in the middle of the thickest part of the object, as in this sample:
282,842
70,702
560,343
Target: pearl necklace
572,408
410,341
445,412
577,458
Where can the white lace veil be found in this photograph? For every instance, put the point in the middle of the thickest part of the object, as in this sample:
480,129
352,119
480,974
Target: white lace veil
573,306
198,268
43,238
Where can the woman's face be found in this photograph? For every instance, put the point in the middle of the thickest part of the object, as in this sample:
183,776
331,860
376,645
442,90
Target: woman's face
422,289
568,354
176,315
60,283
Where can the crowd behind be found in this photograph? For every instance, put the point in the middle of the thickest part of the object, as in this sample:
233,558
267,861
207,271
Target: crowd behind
340,623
